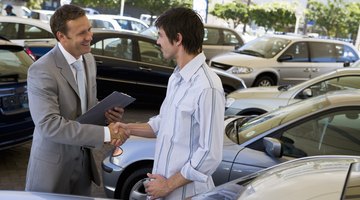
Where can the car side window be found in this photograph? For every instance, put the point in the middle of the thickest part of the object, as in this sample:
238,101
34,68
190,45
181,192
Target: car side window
230,38
211,36
298,51
34,32
322,52
338,83
114,47
9,30
329,134
345,53
151,53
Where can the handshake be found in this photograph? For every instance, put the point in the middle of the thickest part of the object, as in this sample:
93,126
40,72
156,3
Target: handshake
119,133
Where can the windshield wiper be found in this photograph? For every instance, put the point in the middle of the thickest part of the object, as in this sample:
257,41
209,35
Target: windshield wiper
9,77
251,52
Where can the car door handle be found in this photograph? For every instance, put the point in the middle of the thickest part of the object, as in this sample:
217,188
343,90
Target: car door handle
315,70
145,69
307,70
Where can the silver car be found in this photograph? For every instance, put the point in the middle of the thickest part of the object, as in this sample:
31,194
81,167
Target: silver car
259,100
323,125
310,178
284,59
217,39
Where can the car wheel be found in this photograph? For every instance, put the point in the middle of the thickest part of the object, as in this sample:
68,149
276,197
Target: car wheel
264,81
133,187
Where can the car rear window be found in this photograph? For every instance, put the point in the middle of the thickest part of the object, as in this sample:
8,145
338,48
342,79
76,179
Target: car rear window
14,60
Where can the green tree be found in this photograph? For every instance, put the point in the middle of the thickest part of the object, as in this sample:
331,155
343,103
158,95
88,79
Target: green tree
34,4
236,11
331,18
353,19
98,3
277,15
156,7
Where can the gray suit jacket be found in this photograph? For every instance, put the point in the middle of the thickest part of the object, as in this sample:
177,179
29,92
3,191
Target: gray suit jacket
58,141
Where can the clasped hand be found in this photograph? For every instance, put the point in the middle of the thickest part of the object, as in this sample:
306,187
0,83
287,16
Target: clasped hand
119,134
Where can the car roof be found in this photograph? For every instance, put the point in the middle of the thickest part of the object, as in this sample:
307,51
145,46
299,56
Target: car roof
289,176
29,21
295,38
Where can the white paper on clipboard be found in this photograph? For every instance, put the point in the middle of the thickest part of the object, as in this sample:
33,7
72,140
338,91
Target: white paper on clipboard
96,114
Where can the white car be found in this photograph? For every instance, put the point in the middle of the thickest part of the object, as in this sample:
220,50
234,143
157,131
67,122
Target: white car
42,15
285,59
33,34
128,23
259,100
310,178
100,22
217,39
20,30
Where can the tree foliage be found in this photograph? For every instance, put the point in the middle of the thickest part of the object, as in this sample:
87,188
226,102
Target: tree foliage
237,12
353,19
278,15
156,7
34,4
330,17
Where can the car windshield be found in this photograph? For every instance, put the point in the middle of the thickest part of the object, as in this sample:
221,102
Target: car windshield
14,64
240,132
265,47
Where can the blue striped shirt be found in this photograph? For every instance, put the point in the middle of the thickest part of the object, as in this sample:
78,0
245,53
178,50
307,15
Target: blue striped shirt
190,127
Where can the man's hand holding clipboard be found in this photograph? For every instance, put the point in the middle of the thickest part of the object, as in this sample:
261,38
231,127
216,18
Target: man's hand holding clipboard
96,114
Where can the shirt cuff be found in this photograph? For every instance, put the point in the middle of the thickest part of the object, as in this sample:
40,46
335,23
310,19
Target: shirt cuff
192,174
107,136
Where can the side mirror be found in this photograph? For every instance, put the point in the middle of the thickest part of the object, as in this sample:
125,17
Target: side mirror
285,58
273,147
307,93
346,64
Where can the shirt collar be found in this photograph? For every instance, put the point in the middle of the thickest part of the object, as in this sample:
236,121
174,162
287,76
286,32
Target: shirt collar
68,57
191,67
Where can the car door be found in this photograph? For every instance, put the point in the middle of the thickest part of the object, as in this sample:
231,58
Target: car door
326,57
116,69
154,70
334,132
294,64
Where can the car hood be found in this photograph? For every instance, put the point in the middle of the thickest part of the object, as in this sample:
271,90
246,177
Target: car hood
233,58
256,92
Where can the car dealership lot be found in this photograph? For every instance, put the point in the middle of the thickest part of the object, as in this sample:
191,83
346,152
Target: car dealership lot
14,161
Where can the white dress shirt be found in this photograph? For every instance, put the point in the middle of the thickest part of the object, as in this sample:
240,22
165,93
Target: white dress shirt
190,127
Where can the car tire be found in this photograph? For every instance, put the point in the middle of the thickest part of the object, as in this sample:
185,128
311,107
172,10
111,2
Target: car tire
264,81
133,186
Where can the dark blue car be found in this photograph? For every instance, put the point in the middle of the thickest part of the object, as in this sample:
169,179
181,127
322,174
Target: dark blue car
16,125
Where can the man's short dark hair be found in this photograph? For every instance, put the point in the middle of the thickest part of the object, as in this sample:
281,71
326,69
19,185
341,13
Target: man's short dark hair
186,22
62,15
8,7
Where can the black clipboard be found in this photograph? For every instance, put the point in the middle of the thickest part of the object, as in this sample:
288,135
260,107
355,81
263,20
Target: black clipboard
96,114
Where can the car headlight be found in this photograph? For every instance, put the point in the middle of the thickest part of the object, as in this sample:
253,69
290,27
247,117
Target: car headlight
229,101
241,70
115,158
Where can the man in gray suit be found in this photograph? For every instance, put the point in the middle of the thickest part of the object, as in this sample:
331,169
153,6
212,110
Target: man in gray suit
61,160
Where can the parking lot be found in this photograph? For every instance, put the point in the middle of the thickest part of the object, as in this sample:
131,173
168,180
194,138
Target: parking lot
14,161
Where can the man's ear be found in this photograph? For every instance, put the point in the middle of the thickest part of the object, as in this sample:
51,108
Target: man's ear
59,35
178,40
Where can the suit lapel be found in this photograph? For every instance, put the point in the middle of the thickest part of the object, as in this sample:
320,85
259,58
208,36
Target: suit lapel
65,70
88,80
